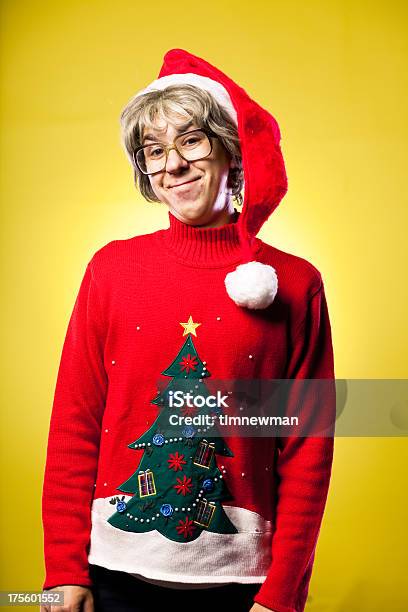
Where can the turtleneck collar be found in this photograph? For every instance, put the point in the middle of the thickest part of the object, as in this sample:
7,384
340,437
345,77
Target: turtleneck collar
204,247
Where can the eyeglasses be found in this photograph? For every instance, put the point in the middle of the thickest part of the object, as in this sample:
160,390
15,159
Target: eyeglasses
191,146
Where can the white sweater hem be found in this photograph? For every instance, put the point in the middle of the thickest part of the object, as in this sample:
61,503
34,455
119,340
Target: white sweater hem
244,557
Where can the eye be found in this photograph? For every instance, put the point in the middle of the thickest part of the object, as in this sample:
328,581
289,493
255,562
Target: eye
191,141
155,151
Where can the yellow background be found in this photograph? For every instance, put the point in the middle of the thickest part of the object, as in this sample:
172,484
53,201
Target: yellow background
334,74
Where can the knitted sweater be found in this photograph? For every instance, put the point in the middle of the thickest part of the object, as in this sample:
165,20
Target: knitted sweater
124,331
151,310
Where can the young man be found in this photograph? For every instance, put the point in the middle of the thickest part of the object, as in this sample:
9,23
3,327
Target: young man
136,518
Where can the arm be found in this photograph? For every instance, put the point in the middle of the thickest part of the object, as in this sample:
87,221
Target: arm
303,467
73,442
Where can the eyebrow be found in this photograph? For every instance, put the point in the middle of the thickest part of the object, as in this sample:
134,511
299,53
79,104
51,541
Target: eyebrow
179,130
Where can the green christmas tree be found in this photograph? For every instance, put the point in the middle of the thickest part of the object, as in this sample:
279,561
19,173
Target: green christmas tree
177,488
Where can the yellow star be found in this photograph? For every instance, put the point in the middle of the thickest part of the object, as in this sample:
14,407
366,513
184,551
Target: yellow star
190,327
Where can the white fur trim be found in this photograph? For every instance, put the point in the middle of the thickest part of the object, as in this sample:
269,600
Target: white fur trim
213,87
213,557
253,285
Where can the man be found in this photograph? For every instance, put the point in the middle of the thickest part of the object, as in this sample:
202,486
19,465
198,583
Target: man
188,520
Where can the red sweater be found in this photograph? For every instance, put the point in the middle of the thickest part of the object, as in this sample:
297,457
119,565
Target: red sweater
124,332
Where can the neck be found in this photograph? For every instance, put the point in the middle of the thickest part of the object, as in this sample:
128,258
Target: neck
222,217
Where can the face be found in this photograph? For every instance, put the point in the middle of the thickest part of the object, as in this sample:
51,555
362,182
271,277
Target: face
195,192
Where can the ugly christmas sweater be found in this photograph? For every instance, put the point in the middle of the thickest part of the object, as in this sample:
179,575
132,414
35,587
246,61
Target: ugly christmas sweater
137,299
152,315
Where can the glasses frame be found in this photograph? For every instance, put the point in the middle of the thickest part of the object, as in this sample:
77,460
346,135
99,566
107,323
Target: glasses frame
209,133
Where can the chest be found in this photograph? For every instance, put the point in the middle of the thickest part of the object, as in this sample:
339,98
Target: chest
151,315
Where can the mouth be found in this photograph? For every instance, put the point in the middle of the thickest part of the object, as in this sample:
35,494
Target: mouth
184,184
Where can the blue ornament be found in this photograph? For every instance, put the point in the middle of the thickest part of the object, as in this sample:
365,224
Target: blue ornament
121,506
158,439
188,431
166,509
208,484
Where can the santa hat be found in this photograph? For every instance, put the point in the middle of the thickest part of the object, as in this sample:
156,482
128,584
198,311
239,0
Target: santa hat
253,284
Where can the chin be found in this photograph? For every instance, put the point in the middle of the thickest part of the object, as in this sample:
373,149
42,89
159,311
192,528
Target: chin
191,212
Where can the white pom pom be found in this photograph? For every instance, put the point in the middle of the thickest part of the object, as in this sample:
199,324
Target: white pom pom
253,285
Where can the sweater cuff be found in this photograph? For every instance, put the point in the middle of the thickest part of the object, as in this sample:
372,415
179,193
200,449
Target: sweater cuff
265,601
60,579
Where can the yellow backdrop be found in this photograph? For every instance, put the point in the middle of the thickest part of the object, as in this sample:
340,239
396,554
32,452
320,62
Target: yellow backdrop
334,76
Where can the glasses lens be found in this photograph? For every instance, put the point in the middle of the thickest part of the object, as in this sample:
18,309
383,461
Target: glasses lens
192,146
151,158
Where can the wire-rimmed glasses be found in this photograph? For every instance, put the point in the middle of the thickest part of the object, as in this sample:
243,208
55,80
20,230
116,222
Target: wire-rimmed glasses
191,146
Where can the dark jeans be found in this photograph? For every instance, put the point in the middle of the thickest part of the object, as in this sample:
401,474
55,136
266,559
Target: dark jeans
115,591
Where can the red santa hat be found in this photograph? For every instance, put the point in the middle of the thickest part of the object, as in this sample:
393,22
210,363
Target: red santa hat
252,284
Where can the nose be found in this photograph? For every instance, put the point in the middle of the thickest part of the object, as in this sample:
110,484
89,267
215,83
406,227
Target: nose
175,162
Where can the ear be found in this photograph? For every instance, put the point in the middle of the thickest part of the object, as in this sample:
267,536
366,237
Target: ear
232,162
233,168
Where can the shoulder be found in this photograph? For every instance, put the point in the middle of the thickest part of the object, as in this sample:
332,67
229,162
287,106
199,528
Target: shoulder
120,248
296,275
118,255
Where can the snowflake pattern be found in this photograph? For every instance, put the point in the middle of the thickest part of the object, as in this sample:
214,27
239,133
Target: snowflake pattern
186,528
189,363
176,461
184,486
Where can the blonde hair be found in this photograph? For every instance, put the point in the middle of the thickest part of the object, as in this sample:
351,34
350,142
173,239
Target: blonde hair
195,104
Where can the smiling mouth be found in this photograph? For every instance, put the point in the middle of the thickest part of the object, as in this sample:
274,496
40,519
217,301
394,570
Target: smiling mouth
186,183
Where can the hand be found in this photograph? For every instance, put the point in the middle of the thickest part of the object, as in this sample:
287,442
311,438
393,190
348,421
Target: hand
258,608
76,599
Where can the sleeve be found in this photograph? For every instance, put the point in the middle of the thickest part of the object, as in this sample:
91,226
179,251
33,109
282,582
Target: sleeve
303,467
73,442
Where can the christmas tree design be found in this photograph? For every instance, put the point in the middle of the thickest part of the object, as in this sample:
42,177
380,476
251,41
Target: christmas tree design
177,488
